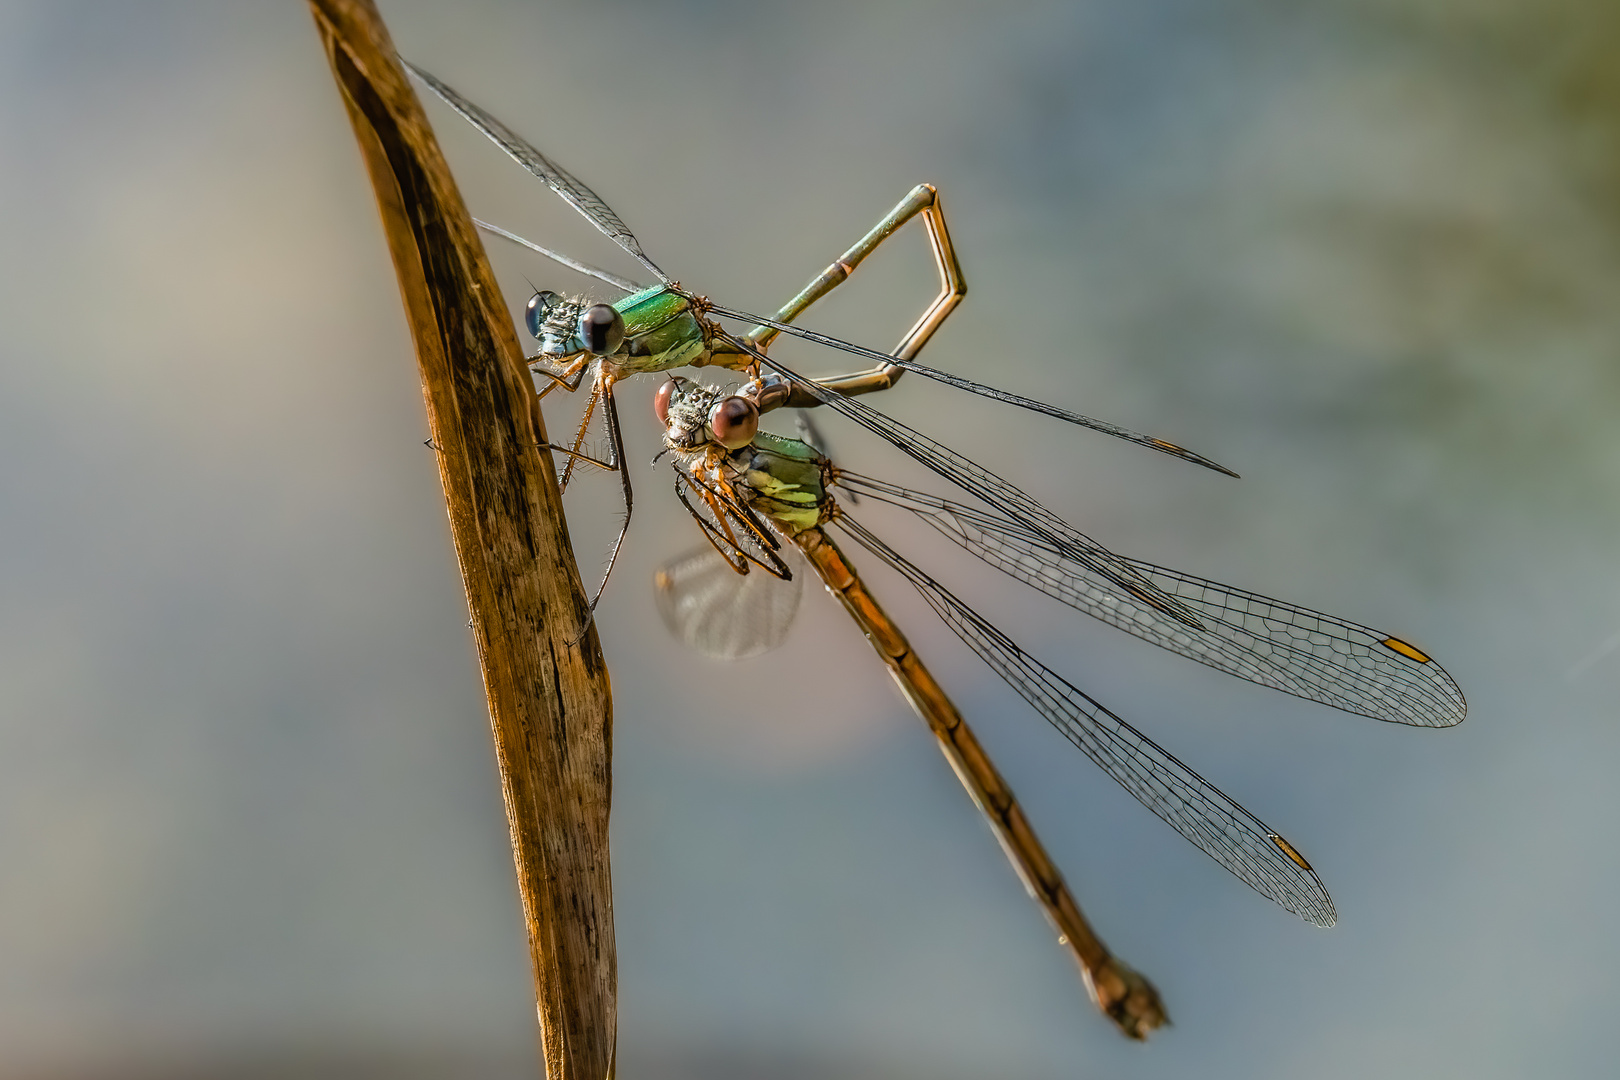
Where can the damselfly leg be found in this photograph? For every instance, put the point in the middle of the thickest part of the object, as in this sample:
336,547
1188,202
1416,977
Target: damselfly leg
601,394
616,447
569,378
573,452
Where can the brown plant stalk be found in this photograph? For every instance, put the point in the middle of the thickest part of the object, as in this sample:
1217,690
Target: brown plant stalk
544,674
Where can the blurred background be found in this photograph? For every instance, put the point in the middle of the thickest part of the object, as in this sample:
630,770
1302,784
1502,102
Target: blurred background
1364,252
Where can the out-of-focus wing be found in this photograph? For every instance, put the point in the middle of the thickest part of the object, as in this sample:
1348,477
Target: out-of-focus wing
721,613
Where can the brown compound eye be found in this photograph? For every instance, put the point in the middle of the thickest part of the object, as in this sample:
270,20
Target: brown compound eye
734,421
661,401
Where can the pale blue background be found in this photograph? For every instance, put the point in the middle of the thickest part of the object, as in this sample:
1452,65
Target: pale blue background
1366,253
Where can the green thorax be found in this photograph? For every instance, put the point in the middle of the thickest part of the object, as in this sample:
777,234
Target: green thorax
785,480
662,332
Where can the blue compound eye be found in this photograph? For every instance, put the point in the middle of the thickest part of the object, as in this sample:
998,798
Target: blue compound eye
601,328
540,308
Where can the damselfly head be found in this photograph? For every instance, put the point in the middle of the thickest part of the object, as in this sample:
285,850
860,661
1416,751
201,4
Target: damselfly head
683,408
694,415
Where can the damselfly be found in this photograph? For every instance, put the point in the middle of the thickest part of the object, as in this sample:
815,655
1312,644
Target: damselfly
748,490
663,326
747,496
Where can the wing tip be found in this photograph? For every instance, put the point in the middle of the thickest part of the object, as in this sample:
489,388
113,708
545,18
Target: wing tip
1406,649
1185,454
1292,852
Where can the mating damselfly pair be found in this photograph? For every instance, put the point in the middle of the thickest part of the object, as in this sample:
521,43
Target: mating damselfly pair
754,495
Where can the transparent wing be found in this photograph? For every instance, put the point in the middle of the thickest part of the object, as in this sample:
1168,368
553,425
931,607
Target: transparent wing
623,284
1293,649
983,484
721,613
557,178
1186,801
1161,445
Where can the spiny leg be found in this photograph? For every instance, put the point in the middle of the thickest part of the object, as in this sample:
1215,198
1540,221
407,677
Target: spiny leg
576,456
616,446
726,517
579,436
721,518
924,200
574,372
573,453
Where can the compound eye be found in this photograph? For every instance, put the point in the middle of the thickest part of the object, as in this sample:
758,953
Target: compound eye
661,401
541,304
601,328
734,421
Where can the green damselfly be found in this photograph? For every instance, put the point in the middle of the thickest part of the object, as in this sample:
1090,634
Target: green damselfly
663,326
750,491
